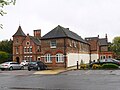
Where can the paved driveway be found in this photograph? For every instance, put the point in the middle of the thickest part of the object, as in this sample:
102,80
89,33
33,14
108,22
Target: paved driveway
70,80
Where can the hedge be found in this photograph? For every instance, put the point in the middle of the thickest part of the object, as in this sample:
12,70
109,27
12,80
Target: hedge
109,66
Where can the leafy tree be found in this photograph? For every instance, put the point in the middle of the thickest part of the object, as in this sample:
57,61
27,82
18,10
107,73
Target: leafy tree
115,46
5,3
3,56
6,46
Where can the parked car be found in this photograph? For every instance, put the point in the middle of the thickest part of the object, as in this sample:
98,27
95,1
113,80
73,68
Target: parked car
36,65
24,63
11,66
104,61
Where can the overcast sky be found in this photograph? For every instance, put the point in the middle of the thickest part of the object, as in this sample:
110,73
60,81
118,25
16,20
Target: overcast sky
87,18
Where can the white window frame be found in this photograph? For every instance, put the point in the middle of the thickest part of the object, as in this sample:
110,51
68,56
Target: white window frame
59,58
53,44
30,49
17,50
102,57
48,58
28,43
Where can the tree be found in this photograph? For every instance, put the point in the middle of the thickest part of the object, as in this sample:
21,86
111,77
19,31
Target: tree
5,3
115,46
6,46
3,56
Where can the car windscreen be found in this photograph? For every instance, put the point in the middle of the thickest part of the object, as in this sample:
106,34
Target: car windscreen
6,63
32,62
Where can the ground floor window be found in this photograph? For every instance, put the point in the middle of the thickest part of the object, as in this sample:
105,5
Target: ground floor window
109,56
102,57
59,57
48,58
28,58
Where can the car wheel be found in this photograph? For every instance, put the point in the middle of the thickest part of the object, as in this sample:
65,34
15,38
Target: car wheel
2,69
29,69
22,68
11,68
38,68
46,68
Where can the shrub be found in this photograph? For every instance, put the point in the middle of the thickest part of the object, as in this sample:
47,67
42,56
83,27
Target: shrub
83,66
109,66
96,66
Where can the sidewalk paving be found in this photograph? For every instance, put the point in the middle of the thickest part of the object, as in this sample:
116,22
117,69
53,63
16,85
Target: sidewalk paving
55,71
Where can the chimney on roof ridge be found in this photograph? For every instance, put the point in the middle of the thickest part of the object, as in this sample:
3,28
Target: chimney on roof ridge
98,36
67,28
106,36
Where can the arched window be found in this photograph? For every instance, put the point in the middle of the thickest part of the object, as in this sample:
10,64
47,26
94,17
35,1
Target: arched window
48,58
59,57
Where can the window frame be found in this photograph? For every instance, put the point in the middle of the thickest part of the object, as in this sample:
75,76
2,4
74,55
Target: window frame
53,44
48,58
59,58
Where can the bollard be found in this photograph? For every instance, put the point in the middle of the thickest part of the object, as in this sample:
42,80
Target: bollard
77,64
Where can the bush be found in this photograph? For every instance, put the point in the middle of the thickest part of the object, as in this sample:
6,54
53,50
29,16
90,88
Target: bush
83,66
96,66
109,66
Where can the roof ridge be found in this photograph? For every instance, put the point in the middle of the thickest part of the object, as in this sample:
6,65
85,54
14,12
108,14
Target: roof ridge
63,30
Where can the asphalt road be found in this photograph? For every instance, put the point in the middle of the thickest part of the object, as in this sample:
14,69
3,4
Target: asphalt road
71,80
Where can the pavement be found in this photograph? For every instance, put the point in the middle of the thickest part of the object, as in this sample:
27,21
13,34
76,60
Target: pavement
55,71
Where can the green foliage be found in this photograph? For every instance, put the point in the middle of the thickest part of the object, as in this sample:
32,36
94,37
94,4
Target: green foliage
115,46
6,46
109,66
3,56
5,3
96,66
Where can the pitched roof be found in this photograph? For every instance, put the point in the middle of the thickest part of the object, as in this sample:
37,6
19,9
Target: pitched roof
103,41
91,38
61,32
19,32
35,40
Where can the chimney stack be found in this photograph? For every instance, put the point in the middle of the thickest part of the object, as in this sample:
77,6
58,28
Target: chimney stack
98,36
106,36
37,33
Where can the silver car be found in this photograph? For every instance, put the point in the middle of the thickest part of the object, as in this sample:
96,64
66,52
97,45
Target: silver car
11,66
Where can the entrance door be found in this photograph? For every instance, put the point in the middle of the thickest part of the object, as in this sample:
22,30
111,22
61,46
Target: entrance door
17,60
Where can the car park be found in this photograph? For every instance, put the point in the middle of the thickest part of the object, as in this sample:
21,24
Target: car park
11,66
36,65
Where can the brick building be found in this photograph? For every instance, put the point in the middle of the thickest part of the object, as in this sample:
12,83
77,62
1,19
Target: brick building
63,48
26,47
58,48
99,48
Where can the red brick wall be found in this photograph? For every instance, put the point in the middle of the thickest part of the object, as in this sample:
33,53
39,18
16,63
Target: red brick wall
72,46
22,42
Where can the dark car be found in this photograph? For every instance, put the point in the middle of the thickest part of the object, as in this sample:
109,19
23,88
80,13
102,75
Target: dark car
104,61
36,65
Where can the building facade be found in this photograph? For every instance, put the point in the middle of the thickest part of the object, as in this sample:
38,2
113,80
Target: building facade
26,47
99,48
58,48
63,48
